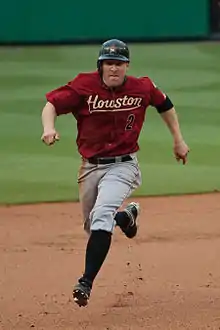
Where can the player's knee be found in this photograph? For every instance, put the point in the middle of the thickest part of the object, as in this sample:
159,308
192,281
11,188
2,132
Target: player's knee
100,225
102,218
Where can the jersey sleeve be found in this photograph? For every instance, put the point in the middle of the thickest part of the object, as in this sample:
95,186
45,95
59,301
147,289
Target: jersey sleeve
66,98
158,99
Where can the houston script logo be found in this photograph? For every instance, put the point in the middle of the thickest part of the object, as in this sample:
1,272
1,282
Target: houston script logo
125,103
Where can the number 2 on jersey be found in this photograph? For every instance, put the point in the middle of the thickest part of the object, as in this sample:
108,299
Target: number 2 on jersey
130,122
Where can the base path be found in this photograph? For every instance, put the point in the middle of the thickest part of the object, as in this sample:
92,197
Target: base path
167,278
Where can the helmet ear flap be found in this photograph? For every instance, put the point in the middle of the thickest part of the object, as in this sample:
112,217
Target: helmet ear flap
99,66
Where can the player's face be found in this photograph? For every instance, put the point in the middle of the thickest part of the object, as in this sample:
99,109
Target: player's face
114,72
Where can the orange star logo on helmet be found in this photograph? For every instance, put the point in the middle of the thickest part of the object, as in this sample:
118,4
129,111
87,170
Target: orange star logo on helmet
112,49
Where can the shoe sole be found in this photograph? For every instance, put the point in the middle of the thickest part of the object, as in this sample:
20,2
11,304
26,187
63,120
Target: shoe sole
80,298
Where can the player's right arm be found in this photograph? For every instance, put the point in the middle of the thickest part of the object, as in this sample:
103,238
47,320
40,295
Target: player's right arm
62,100
50,135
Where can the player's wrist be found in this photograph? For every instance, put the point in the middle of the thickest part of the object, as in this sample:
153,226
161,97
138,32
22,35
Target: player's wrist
177,138
49,128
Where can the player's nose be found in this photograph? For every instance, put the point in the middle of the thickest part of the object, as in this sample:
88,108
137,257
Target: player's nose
113,67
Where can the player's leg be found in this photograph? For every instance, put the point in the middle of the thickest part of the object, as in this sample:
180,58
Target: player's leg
88,180
114,187
118,184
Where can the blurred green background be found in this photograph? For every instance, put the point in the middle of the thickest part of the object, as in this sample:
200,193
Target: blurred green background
32,172
31,21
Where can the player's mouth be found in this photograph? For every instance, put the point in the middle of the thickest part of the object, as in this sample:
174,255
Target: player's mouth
114,76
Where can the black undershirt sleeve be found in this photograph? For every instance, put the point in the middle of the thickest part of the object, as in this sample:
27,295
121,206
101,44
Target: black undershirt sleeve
165,106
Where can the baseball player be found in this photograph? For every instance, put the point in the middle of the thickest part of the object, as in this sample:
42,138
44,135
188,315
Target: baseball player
109,107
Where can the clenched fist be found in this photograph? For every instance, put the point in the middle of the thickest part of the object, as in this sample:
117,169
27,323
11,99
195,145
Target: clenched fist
181,151
49,137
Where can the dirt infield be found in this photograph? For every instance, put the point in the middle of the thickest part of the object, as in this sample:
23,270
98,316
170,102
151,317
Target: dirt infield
168,277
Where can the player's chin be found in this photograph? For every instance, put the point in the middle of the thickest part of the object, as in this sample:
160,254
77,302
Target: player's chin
115,82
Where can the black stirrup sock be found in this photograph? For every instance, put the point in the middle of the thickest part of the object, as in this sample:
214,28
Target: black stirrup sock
97,249
122,219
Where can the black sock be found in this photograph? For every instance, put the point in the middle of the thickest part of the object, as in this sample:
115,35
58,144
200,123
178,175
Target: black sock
122,219
96,252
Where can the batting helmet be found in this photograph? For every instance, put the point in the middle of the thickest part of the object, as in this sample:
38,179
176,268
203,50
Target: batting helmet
113,49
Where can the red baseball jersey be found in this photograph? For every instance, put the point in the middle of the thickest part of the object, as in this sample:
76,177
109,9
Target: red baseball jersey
109,121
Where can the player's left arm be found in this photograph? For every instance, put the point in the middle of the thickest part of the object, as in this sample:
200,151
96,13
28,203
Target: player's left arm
167,111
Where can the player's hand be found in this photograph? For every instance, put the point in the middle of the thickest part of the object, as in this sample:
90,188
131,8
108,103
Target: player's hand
49,137
181,151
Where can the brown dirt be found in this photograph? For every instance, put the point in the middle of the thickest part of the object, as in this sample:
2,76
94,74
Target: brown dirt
168,277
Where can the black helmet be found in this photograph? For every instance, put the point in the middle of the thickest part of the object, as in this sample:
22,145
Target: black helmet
113,49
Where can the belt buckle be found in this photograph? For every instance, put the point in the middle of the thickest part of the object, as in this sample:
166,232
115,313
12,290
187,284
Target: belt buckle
118,159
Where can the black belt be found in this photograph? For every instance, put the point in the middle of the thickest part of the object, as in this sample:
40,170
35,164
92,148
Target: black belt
109,160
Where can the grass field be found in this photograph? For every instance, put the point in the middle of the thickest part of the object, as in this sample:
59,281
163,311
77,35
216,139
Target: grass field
31,172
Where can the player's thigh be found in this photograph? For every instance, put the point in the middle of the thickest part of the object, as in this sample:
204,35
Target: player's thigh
88,180
87,196
117,184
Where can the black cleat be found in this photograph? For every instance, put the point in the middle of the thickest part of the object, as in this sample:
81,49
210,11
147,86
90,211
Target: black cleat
132,210
81,293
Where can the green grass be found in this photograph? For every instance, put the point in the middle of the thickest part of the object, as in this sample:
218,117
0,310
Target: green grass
31,172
